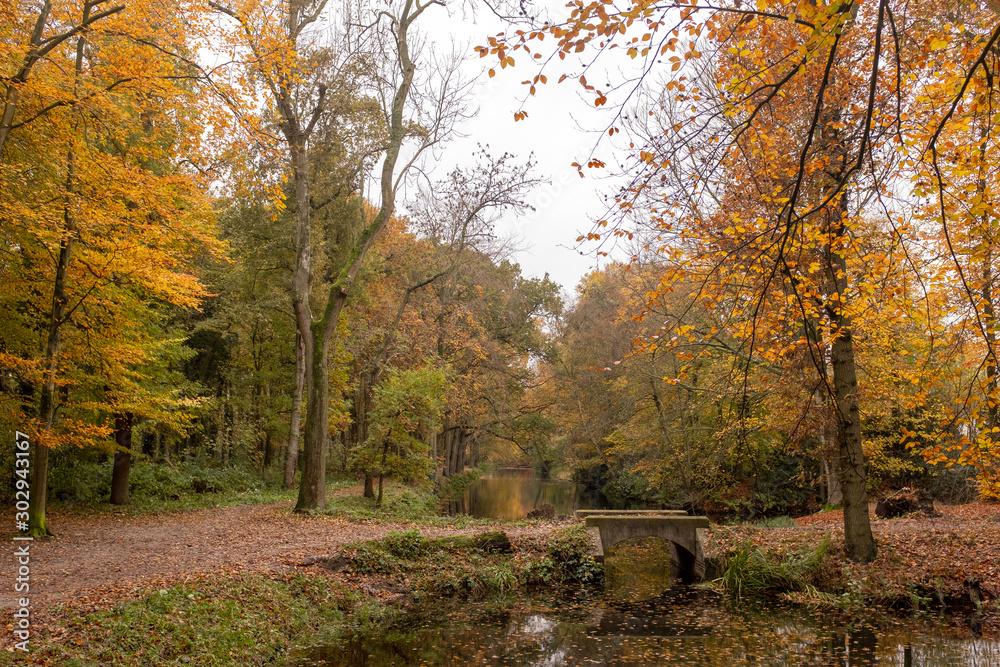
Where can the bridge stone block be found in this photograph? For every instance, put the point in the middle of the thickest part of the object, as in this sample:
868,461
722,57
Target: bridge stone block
583,514
686,533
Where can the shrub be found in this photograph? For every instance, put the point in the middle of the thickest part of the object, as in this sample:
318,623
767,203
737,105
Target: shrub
84,482
493,542
568,550
384,556
408,544
777,522
372,558
90,482
499,578
410,504
537,572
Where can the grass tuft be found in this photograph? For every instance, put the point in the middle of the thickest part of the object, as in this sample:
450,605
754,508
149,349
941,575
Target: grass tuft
751,571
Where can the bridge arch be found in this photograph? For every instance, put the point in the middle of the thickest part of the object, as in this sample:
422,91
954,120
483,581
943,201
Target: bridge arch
685,533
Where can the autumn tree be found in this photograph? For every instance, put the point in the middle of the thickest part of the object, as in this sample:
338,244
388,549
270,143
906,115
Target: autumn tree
300,93
32,47
407,403
104,220
488,327
817,143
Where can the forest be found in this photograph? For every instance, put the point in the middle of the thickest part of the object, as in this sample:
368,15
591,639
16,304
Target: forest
228,264
208,263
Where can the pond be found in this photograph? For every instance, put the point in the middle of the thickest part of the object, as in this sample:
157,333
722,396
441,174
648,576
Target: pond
510,493
683,627
639,619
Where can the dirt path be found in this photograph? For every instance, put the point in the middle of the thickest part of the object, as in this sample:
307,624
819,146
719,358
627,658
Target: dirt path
110,556
94,556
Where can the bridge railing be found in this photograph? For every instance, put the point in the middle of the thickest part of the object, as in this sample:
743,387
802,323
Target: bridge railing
583,514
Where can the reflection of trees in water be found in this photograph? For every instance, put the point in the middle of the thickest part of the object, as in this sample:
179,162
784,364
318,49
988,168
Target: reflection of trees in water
453,507
683,627
638,569
680,628
512,496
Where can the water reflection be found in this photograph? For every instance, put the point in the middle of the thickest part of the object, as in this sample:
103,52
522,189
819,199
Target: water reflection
512,493
638,569
682,627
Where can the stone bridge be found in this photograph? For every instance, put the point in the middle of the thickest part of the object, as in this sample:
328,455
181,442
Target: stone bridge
686,535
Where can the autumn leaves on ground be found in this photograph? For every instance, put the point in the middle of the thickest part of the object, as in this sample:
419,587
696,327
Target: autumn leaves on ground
100,562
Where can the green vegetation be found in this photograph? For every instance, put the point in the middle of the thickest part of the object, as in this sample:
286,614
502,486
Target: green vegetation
85,486
244,620
455,486
749,570
568,551
399,503
259,620
777,522
474,565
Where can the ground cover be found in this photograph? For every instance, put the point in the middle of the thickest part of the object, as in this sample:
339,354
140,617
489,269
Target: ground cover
930,563
254,566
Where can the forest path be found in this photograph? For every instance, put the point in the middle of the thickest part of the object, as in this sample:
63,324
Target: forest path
96,556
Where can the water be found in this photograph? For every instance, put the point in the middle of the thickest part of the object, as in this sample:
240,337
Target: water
512,493
639,620
680,628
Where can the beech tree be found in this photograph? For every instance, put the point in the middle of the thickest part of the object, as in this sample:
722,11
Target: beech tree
104,220
802,145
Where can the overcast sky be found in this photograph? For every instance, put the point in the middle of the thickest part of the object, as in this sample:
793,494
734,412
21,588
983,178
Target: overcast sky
565,206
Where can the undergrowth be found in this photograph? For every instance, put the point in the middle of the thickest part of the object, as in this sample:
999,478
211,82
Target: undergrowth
401,503
777,522
159,487
749,570
474,565
246,620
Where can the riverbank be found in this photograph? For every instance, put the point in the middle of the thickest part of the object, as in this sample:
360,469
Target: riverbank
947,563
243,586
258,618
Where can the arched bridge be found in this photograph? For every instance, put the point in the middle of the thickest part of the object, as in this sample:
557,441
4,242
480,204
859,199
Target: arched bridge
685,533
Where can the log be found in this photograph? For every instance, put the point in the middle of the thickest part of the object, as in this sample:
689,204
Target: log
905,501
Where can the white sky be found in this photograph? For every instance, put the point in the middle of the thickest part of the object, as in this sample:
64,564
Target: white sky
566,205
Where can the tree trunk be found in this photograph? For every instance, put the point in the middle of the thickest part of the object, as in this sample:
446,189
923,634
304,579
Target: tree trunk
229,418
39,491
432,441
53,345
859,544
369,485
123,459
148,443
292,454
461,444
381,473
992,350
312,487
268,456
312,490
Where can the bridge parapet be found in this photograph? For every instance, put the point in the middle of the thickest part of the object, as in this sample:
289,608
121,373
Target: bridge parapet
686,534
583,514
